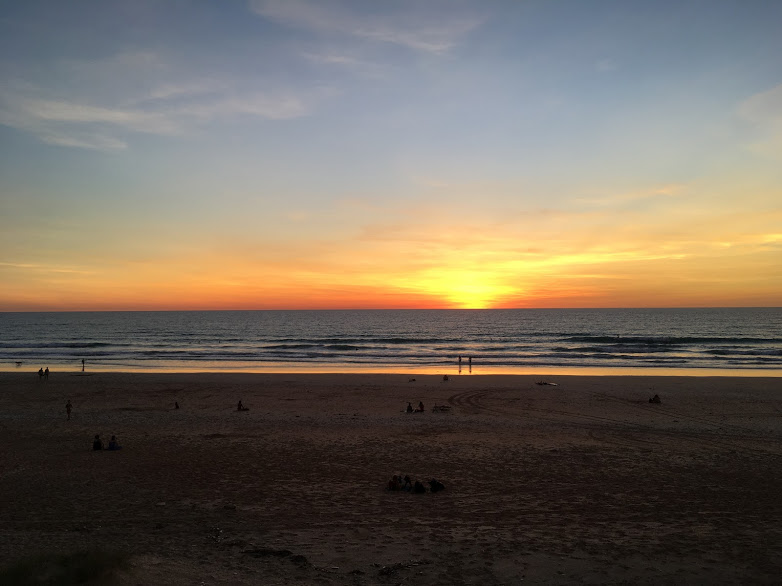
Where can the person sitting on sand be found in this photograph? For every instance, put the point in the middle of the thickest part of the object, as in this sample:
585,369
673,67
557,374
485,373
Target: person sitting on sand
114,444
241,407
655,399
409,408
407,486
394,483
176,405
420,407
436,485
445,377
97,443
418,487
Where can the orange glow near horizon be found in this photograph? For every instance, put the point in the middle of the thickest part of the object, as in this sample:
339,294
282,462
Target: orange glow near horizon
591,279
545,260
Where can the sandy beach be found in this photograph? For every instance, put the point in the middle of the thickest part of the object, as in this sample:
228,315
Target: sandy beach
583,481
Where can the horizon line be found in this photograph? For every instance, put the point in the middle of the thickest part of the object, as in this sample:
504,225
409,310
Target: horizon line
392,309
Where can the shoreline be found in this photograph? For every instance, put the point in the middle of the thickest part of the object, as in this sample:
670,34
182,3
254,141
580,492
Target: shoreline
421,370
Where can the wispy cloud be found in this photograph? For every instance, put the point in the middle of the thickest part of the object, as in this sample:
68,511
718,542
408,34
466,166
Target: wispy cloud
105,120
408,28
49,268
764,112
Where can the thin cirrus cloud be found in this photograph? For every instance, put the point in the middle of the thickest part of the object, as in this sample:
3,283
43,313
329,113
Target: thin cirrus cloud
764,112
106,118
417,31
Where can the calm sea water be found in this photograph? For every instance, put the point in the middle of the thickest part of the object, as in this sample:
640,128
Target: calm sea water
514,340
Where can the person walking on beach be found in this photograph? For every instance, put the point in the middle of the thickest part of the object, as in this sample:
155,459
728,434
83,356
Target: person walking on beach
46,373
68,408
82,364
40,373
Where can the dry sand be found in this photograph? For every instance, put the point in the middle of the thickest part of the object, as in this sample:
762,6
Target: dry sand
584,482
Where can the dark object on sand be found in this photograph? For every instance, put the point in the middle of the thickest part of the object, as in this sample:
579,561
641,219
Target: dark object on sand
176,405
436,485
418,487
97,443
445,377
241,407
544,383
114,444
655,399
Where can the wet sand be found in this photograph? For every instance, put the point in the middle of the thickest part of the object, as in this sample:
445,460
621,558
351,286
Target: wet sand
582,482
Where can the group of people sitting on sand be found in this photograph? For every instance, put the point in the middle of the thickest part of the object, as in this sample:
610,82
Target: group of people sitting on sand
97,443
420,409
397,483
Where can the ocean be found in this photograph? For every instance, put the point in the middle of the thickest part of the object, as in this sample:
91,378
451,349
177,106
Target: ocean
747,340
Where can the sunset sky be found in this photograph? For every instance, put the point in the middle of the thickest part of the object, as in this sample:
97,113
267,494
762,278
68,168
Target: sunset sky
315,154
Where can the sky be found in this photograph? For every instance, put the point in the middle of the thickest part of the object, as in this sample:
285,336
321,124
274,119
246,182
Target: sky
297,154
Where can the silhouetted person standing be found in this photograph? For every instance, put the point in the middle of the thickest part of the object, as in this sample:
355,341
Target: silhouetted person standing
82,364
